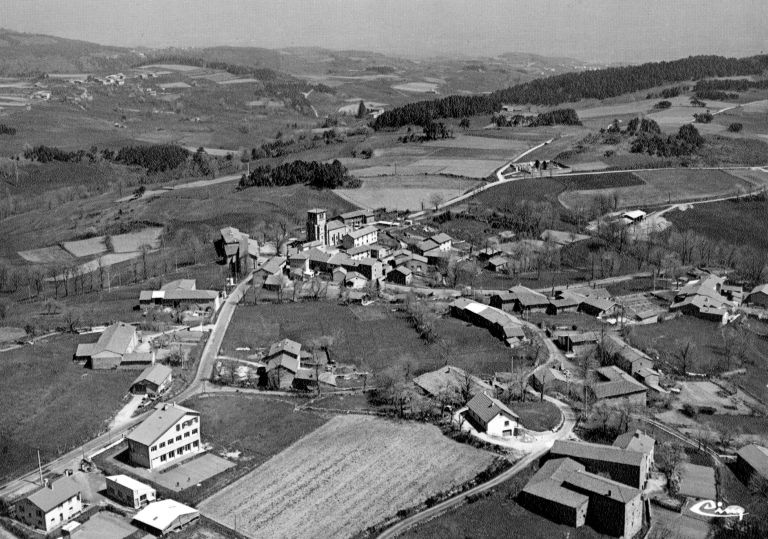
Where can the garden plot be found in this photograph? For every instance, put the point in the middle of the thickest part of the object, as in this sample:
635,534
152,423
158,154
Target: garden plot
405,192
348,475
700,394
46,255
89,247
133,241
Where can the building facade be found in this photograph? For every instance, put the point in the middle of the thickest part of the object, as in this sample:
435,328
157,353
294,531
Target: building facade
171,432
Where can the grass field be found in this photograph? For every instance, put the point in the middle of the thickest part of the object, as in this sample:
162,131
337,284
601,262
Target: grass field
498,515
735,222
346,476
473,142
41,392
405,192
537,415
668,186
89,247
382,342
46,255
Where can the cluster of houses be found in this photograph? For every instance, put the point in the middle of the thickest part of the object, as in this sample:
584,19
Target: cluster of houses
500,323
592,301
600,485
288,366
172,431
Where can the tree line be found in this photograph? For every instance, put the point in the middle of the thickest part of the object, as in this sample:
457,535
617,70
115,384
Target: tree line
724,89
314,173
571,87
554,117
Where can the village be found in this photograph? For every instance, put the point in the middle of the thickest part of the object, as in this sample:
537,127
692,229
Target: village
571,342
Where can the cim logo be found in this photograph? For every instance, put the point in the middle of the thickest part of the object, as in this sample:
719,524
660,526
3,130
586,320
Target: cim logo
708,508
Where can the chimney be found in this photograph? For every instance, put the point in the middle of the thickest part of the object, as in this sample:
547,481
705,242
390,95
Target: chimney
47,483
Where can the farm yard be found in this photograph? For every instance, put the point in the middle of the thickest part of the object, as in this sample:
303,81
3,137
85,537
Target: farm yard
376,343
405,192
334,467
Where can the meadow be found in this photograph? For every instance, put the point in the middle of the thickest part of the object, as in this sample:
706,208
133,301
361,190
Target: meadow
352,473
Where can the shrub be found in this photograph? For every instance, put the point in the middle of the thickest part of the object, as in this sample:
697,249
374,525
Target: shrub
661,105
689,410
735,127
707,410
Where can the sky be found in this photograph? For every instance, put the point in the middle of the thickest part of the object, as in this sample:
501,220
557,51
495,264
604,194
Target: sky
604,31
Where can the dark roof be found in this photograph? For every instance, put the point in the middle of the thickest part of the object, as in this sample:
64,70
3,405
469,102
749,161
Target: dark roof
599,452
555,492
486,408
441,238
505,296
55,494
156,374
757,457
528,297
283,360
602,486
635,441
617,383
556,469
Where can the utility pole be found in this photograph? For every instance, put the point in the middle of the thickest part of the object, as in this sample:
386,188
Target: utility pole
40,468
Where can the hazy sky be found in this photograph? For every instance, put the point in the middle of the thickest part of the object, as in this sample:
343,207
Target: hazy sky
594,30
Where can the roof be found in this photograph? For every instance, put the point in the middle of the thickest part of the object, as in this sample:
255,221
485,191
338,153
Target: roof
360,232
368,261
230,234
497,260
402,269
274,279
286,345
356,213
555,492
697,481
283,360
317,210
309,375
160,515
634,214
757,457
85,349
601,486
129,482
55,494
161,420
273,265
615,345
441,238
191,295
115,339
448,378
598,303
334,225
616,383
582,336
461,303
556,469
635,441
486,408
156,374
339,259
352,251
146,295
352,275
505,296
528,297
599,452
548,373
427,245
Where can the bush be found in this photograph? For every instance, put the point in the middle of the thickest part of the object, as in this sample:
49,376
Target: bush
689,410
661,105
735,127
707,410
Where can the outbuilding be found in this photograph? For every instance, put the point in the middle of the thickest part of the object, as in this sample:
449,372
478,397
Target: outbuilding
154,380
130,492
165,516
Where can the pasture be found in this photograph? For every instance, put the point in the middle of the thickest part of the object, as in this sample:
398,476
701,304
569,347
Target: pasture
418,87
132,242
405,192
348,475
481,143
41,390
90,247
46,255
381,342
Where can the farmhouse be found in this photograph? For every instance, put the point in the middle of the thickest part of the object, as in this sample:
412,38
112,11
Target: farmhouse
625,357
362,236
401,276
355,280
438,242
504,301
182,294
164,517
169,433
450,381
636,441
283,361
491,416
237,249
570,340
551,379
130,492
565,492
563,302
153,380
370,268
526,300
117,342
52,505
614,386
759,295
596,306
272,266
412,261
627,467
752,464
703,298
497,263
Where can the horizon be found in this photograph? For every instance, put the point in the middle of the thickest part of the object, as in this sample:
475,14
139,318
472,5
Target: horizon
635,32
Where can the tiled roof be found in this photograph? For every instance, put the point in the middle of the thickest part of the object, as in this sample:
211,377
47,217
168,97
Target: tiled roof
590,451
553,491
156,374
115,339
757,457
441,238
162,419
286,345
55,494
486,408
601,486
360,232
635,441
528,297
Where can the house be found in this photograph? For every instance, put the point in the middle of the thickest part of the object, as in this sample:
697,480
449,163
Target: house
564,491
299,264
355,280
306,379
362,236
153,380
751,464
371,268
627,467
169,433
636,441
527,300
491,416
497,263
52,505
401,275
181,294
569,340
450,381
271,266
614,386
596,306
277,282
503,300
357,218
759,296
339,275
236,249
165,517
283,361
130,492
550,379
118,341
703,298
416,263
625,357
564,302
488,253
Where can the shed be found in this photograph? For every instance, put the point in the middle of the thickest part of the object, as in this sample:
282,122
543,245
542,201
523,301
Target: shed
165,516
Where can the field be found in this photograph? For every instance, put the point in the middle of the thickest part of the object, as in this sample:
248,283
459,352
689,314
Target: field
735,222
417,87
668,186
537,415
89,247
46,255
498,515
132,242
384,341
348,475
41,390
405,192
513,146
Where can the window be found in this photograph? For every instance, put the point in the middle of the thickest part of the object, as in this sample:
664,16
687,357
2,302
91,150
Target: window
162,444
186,434
178,427
162,458
195,443
506,423
153,448
194,431
178,437
188,447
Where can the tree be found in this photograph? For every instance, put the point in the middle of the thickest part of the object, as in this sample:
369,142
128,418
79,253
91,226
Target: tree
464,123
362,111
735,127
684,357
72,317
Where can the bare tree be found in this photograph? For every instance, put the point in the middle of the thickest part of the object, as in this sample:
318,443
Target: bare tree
435,199
684,357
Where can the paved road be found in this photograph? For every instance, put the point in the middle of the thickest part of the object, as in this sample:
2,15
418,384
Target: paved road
428,514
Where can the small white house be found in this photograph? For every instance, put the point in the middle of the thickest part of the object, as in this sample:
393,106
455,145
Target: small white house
492,416
130,492
51,506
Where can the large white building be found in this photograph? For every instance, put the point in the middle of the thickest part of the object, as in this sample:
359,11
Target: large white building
171,432
51,506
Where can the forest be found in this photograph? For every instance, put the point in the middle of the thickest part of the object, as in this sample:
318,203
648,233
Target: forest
573,87
313,173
